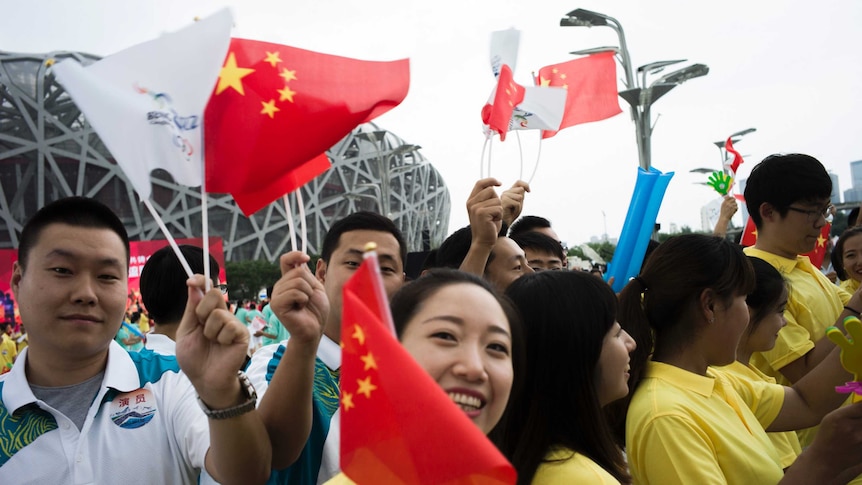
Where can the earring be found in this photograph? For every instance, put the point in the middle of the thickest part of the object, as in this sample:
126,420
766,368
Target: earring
712,320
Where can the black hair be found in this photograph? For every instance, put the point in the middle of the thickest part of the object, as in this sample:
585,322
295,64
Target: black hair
73,211
567,315
539,242
781,180
656,306
361,221
770,287
454,248
837,256
527,224
163,282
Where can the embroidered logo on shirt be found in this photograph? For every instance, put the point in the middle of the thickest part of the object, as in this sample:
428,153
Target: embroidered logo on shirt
134,409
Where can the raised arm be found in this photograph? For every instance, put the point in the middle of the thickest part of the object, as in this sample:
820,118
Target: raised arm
299,301
485,210
211,347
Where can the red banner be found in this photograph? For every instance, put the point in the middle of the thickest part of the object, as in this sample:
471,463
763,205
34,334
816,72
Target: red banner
140,252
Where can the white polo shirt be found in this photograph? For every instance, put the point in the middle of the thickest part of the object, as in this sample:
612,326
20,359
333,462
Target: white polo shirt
144,426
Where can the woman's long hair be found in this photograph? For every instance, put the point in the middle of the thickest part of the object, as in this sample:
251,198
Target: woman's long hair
566,315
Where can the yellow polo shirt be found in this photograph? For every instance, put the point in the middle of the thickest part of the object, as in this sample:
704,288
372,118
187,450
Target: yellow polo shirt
786,442
684,428
813,305
563,465
849,285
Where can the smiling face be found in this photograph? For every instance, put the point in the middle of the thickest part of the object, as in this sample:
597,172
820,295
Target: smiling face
461,337
613,366
72,294
851,257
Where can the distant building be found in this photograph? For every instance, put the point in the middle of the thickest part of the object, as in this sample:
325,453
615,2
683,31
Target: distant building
49,151
835,197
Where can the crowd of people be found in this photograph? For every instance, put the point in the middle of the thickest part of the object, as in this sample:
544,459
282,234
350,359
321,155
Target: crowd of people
710,366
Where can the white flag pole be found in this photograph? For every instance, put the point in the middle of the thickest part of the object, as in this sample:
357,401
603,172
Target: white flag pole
288,214
205,232
170,238
538,157
301,203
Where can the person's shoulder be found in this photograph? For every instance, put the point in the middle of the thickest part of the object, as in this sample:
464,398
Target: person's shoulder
567,466
151,366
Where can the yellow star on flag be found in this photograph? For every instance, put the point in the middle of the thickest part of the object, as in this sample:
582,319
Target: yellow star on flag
544,82
370,363
269,108
563,76
286,93
365,387
358,334
272,58
821,241
288,75
347,401
231,76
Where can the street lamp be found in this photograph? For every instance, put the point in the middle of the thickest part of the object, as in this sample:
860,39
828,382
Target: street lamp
639,96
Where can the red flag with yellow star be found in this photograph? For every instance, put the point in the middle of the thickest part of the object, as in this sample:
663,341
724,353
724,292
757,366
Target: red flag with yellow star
397,424
749,234
277,107
591,83
819,252
508,95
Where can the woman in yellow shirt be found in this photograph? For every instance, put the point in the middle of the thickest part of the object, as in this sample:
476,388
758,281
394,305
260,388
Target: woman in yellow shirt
555,430
847,258
687,423
766,317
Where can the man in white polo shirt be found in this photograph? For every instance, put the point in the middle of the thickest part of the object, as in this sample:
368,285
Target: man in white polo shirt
80,409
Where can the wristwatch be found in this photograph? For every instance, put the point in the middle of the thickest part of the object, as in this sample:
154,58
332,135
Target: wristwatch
239,409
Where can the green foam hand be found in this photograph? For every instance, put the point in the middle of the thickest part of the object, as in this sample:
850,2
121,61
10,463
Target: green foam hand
720,181
851,348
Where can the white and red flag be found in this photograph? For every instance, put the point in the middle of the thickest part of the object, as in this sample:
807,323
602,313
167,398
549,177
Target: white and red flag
147,102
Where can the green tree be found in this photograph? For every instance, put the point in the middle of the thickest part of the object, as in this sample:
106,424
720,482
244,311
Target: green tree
604,248
246,278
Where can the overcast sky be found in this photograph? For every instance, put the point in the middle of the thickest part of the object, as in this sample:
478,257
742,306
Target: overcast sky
786,67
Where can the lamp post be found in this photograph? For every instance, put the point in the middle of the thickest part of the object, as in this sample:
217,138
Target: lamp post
637,94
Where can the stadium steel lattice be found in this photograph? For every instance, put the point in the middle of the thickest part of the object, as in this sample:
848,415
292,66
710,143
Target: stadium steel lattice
49,151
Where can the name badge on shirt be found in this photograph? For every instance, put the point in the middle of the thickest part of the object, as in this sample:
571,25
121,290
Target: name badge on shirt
134,409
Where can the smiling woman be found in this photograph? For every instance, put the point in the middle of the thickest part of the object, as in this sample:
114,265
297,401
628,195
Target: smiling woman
465,336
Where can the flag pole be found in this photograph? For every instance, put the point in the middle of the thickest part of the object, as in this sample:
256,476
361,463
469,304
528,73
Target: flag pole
205,216
369,256
288,214
170,238
538,157
301,203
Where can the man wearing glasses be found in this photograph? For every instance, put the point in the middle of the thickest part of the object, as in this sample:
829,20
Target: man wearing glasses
788,200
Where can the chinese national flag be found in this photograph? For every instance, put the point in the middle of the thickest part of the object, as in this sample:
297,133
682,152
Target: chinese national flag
275,108
591,83
749,235
397,424
508,95
266,192
819,252
737,158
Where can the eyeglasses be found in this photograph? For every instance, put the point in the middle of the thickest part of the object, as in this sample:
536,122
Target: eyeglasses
814,215
222,289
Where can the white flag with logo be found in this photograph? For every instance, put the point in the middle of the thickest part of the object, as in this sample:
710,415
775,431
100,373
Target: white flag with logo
147,102
542,109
